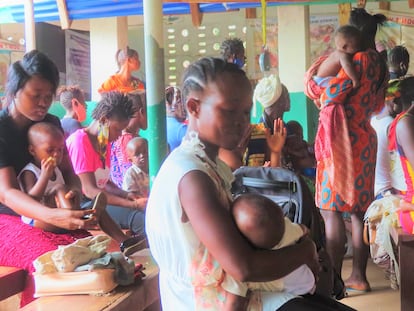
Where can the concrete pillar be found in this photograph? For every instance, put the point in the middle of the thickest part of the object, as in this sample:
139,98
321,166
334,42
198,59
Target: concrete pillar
107,35
294,58
29,25
154,61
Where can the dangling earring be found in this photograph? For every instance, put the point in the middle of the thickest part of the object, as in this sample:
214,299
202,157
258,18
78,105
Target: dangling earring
103,140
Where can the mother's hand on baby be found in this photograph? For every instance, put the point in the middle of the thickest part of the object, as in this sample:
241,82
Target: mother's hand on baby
311,255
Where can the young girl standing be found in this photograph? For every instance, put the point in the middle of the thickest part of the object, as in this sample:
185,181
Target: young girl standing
188,222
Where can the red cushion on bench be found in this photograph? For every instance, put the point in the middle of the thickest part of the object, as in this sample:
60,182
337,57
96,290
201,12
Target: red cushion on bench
20,244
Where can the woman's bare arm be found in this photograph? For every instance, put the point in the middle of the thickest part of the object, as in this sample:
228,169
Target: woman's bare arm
23,204
90,189
214,226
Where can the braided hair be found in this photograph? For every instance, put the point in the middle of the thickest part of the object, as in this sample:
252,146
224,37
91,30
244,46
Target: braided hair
398,60
67,93
116,105
205,70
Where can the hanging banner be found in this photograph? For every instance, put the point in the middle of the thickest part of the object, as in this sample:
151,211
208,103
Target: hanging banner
78,61
400,19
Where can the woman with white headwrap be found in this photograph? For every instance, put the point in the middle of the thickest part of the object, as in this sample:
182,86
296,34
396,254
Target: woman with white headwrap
264,141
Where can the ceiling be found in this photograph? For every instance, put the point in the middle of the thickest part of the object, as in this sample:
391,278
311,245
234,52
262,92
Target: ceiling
12,11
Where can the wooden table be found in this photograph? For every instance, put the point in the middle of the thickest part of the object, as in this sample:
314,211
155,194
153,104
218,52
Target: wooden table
137,297
405,243
11,281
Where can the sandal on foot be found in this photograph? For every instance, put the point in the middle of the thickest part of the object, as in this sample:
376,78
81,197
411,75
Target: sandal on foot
358,288
132,245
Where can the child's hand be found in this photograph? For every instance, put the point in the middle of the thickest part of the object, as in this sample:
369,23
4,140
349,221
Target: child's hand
140,203
48,167
276,141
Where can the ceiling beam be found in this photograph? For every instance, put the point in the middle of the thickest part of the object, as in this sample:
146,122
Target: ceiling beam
196,15
65,22
384,5
250,13
344,11
245,1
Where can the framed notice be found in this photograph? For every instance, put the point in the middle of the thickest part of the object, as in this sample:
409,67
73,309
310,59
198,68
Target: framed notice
78,65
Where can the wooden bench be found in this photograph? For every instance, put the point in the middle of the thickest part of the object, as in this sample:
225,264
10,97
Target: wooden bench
12,281
139,297
405,243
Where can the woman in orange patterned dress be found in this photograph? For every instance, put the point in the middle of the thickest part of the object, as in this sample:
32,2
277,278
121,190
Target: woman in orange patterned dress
345,149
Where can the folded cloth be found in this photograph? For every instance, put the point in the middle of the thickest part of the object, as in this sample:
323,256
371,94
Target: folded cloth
124,267
67,257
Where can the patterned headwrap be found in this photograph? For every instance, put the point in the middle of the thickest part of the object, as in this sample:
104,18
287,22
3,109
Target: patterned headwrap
393,90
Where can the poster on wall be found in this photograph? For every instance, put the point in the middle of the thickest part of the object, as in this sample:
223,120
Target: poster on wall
321,31
398,30
388,35
78,61
4,64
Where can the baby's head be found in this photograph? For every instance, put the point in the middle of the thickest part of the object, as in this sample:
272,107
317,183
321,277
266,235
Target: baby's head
259,219
348,39
46,141
137,152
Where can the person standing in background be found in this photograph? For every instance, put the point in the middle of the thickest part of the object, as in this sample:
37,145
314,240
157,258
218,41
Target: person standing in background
176,115
232,51
123,81
345,150
72,99
398,62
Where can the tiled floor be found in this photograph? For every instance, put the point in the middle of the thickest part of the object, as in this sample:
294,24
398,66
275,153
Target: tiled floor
381,298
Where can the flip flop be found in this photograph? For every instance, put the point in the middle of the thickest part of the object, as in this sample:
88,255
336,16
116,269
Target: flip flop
132,245
99,204
358,289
